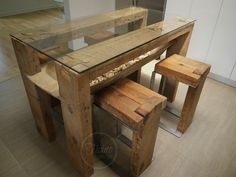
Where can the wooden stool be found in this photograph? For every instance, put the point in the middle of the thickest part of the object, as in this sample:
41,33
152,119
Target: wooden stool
138,108
190,72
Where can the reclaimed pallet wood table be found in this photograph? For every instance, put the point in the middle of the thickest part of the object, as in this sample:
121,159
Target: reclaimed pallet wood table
55,62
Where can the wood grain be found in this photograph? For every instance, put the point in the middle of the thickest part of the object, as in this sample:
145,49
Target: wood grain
39,101
159,33
190,104
76,109
139,108
144,143
190,72
180,47
182,69
57,34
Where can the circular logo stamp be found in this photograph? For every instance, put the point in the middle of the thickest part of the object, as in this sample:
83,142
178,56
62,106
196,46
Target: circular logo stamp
104,147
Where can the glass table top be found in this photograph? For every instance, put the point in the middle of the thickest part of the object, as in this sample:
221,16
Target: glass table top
85,43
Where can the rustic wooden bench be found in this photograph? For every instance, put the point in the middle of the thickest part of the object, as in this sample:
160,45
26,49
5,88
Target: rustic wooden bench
190,72
99,37
138,108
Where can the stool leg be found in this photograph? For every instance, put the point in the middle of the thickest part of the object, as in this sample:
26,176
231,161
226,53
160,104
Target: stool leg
190,105
152,80
135,76
168,88
143,143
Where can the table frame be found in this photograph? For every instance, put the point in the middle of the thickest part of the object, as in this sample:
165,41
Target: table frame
75,91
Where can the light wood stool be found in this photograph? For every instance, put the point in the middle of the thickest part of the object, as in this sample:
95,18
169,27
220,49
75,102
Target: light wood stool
190,72
138,108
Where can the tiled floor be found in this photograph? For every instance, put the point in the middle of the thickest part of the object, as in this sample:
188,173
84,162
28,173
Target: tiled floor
13,24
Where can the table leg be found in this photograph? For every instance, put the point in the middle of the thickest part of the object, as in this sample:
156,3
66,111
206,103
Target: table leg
38,99
76,109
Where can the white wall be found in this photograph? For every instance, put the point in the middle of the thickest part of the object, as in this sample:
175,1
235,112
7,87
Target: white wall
206,13
233,75
12,7
81,8
61,1
222,53
214,33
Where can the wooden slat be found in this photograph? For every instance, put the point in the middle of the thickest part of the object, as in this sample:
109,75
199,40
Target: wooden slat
139,94
61,33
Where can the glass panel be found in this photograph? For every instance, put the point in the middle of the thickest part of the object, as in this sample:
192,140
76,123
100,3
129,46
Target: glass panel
85,43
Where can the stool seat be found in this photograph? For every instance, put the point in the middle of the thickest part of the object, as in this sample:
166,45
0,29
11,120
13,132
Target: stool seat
129,101
182,69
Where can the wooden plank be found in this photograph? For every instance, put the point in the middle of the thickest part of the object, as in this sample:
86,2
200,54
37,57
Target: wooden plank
144,143
48,75
39,101
180,47
119,105
129,70
99,37
190,104
182,69
76,109
61,33
139,93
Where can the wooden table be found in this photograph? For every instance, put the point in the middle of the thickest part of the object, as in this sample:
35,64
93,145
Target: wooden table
50,69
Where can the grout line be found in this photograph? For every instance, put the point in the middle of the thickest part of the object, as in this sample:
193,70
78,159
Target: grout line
234,67
18,164
10,78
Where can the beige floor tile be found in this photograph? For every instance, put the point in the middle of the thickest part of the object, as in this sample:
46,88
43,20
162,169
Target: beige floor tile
6,160
15,171
231,169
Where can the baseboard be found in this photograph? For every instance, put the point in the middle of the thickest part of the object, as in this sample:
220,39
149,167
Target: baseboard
222,79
